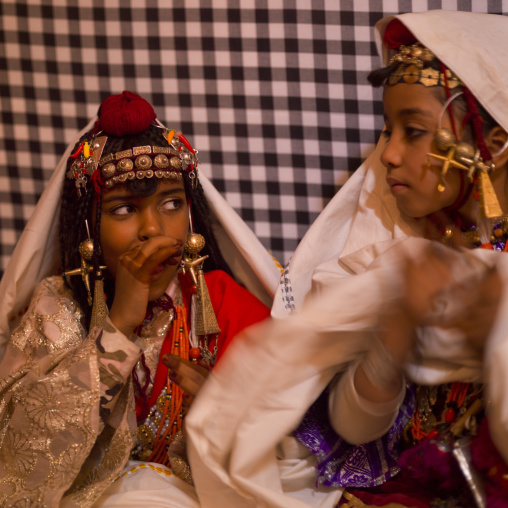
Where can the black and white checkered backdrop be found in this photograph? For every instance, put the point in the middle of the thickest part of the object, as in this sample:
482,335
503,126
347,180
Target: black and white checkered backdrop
272,93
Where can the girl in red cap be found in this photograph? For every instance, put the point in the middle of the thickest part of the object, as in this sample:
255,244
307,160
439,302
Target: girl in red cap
86,398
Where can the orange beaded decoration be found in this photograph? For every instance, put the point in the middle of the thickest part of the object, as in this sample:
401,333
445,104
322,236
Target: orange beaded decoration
173,403
194,354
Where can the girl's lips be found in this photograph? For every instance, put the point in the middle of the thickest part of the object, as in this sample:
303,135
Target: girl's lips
396,186
174,260
159,269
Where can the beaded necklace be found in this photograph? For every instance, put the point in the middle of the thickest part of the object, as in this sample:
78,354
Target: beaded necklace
164,417
471,238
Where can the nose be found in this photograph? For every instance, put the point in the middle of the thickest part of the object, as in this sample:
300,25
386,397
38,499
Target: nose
392,153
150,224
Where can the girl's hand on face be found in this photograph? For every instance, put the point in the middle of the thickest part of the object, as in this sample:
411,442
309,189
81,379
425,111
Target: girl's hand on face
135,273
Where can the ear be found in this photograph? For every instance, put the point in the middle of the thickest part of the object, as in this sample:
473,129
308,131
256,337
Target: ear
497,143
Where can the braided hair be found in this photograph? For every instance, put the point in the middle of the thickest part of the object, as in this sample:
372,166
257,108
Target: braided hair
75,210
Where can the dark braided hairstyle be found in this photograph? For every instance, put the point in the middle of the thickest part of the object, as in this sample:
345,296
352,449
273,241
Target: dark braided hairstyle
75,210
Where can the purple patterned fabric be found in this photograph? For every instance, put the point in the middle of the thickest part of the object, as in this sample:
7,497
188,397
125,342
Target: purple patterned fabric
341,464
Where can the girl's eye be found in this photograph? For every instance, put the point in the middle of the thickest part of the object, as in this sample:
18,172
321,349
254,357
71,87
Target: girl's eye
172,204
122,210
414,132
386,133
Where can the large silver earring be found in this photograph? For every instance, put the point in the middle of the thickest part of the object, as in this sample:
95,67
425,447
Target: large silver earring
98,302
203,320
85,250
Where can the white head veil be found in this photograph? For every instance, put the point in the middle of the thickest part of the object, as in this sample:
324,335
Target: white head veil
36,255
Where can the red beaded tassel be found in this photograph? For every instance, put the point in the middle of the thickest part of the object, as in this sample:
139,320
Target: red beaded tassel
456,397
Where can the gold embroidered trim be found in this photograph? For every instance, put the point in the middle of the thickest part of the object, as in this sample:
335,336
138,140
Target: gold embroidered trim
158,469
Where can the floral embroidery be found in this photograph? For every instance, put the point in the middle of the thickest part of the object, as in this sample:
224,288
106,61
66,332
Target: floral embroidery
47,407
17,453
50,412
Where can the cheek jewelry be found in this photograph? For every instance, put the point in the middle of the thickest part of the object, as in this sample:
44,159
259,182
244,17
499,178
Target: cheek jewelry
464,156
492,225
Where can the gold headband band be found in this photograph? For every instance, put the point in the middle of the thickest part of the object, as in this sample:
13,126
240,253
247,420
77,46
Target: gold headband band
140,162
411,74
137,162
414,68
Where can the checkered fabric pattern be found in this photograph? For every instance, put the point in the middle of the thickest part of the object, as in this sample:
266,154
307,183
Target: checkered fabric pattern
272,93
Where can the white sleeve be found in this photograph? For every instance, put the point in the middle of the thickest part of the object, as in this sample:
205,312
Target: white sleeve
353,417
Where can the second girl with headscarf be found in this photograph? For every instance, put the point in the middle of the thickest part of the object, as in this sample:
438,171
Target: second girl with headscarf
359,290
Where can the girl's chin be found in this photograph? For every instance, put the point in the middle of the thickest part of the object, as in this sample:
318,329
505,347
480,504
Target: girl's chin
160,282
410,211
